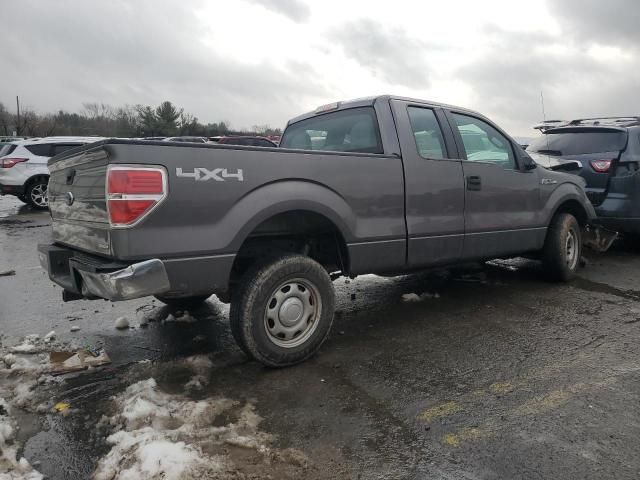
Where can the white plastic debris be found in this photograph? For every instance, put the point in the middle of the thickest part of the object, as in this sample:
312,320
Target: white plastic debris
75,328
50,336
122,323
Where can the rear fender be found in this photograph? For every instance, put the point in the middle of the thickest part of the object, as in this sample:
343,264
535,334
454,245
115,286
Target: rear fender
284,196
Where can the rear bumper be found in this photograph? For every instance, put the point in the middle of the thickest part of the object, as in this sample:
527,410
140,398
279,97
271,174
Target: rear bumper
91,277
11,189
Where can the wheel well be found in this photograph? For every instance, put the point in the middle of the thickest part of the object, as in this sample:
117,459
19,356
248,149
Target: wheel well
574,208
298,231
32,180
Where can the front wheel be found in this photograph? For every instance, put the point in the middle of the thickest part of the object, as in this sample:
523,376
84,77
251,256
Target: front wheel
283,310
562,248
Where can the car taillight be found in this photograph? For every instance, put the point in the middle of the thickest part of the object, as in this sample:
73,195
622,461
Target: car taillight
132,192
10,162
601,166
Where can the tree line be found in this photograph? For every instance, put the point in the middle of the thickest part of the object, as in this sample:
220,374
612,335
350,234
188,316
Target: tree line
166,120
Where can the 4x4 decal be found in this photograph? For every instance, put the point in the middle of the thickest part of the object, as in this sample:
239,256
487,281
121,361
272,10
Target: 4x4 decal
200,174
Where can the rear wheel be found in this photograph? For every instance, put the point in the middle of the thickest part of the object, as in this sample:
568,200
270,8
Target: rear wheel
562,248
183,303
22,198
283,310
36,193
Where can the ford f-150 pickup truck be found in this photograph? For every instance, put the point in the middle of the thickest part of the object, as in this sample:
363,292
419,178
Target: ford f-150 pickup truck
375,185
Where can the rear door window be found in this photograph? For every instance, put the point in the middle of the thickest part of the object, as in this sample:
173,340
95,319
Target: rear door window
6,149
41,149
63,147
579,142
427,133
352,130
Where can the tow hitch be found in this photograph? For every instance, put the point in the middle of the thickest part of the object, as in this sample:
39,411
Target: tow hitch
598,238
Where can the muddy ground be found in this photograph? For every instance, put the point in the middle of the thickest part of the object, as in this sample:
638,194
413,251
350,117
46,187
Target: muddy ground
502,375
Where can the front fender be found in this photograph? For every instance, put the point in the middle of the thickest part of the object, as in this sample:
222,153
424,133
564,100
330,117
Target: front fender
563,193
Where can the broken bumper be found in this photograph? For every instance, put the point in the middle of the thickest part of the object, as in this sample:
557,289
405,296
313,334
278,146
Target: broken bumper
136,280
92,277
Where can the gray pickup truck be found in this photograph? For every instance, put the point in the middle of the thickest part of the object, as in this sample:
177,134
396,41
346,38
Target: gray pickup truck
376,185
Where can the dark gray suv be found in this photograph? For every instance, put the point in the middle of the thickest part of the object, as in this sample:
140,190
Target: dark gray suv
608,152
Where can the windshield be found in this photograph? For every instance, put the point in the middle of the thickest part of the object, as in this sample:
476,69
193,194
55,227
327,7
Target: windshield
352,130
578,142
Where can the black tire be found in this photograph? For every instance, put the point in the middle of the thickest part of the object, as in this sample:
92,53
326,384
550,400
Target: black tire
301,287
34,193
183,303
22,198
561,260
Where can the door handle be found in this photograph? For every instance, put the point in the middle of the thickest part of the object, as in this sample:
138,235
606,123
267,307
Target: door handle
474,182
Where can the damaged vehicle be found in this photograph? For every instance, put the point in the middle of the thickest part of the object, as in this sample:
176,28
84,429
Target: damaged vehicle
606,153
384,185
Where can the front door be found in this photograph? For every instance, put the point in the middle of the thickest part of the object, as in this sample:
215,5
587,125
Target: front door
502,200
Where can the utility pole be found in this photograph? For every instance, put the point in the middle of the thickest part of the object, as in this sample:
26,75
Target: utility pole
18,109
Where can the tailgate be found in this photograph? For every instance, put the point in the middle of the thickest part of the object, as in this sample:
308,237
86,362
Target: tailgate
77,198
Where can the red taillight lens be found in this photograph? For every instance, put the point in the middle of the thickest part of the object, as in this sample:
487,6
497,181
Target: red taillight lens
601,166
124,212
138,182
133,192
10,162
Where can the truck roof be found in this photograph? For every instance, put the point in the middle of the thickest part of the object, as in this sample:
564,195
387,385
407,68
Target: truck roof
367,102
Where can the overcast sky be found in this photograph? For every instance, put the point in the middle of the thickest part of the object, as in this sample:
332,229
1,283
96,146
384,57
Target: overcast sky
263,61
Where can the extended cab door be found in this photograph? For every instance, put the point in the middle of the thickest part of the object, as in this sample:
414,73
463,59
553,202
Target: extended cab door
434,185
502,199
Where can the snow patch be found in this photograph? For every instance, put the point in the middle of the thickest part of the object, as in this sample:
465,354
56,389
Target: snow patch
12,468
414,297
122,323
28,345
172,437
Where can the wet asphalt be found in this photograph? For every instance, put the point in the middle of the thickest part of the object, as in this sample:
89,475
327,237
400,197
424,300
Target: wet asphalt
502,375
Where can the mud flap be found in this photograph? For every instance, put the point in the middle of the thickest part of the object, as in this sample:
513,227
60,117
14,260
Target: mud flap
598,238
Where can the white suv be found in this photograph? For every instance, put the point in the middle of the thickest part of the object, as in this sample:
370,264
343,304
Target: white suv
23,166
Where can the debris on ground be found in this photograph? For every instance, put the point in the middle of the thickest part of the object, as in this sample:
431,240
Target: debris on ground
61,406
65,362
7,273
75,328
414,297
122,323
49,336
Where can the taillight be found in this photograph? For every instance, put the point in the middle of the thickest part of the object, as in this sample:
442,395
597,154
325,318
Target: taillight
10,162
601,166
132,192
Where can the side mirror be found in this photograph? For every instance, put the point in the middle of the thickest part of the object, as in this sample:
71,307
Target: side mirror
528,163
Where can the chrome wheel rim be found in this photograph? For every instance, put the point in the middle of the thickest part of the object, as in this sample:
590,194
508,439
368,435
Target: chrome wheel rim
39,195
292,313
571,250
